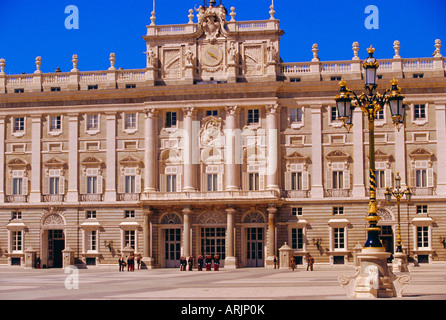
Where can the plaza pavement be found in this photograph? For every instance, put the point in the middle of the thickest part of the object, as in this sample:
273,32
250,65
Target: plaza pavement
107,283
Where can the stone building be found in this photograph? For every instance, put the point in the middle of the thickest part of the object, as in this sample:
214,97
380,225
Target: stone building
216,146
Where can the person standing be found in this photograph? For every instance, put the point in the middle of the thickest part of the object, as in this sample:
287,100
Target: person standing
310,261
121,263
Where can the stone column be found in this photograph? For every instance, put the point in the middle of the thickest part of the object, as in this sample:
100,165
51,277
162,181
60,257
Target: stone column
232,149
186,232
272,134
358,154
400,154
110,186
189,167
147,234
36,165
73,158
317,187
150,153
2,159
271,245
440,120
231,260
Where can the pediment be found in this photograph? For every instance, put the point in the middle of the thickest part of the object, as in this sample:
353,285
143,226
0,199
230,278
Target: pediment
338,155
421,153
130,160
295,156
92,161
17,162
54,162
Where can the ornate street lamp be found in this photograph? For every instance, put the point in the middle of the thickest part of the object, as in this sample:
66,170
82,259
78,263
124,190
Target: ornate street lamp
398,194
371,103
374,279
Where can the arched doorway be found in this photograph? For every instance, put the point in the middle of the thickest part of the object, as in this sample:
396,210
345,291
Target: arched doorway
212,227
254,234
171,239
53,240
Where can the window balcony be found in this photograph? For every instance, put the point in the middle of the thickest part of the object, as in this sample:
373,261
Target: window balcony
420,191
128,196
90,197
16,198
337,193
297,194
53,198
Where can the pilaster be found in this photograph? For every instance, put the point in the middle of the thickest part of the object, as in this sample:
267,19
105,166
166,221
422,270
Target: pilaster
110,186
150,172
440,110
317,187
73,158
36,167
358,154
232,150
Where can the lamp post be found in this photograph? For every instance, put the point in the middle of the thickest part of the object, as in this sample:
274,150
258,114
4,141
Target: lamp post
400,259
373,258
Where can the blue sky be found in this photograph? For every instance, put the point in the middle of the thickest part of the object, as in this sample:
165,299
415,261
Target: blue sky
33,28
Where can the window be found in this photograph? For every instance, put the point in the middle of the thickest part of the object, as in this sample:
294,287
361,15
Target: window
90,214
253,116
92,122
423,237
421,209
129,213
212,182
19,124
20,90
380,179
338,179
130,120
171,119
337,78
419,111
296,115
54,89
418,75
296,181
213,113
16,215
294,79
338,210
254,182
421,178
130,86
296,211
17,241
297,237
130,184
92,240
171,183
129,240
92,185
55,123
17,186
93,87
334,113
380,115
339,238
54,185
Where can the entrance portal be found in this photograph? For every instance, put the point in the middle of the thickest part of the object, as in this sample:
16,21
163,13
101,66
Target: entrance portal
213,241
172,247
56,244
254,249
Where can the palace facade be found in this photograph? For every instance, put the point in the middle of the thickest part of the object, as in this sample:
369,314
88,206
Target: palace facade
215,147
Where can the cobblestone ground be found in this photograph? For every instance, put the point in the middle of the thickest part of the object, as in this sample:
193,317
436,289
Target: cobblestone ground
428,283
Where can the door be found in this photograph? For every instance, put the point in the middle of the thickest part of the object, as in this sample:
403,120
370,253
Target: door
172,247
56,244
254,247
386,237
213,241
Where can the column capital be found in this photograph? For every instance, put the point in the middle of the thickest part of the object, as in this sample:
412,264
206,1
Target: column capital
272,108
187,210
150,112
232,110
230,210
189,111
271,209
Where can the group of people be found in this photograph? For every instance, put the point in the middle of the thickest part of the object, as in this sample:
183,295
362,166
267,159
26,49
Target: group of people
207,261
130,263
310,262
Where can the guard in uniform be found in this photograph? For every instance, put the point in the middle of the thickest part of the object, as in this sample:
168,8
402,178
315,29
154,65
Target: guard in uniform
190,262
208,262
181,263
216,262
200,263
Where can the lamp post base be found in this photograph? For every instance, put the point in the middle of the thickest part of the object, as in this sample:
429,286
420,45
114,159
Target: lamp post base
400,262
373,277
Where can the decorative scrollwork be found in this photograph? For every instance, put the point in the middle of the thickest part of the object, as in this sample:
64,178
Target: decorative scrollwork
171,218
254,217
